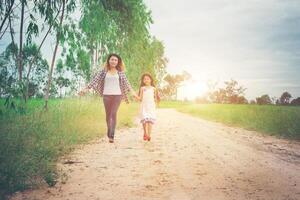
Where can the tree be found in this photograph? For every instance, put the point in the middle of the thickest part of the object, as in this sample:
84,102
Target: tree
232,93
29,12
285,98
264,99
36,72
67,7
46,9
296,102
273,99
241,100
173,83
104,26
58,35
124,29
62,82
149,57
9,70
20,57
6,8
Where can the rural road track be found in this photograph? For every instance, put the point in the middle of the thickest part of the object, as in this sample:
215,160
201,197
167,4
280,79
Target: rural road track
187,158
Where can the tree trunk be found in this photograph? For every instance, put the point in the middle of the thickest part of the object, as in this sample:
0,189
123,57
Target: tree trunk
35,57
20,58
92,60
4,31
7,14
96,59
100,53
31,63
12,39
54,56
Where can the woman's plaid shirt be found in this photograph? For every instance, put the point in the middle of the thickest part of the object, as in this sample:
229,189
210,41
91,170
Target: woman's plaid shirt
97,84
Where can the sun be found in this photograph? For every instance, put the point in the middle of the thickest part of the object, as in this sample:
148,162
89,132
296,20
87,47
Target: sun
190,90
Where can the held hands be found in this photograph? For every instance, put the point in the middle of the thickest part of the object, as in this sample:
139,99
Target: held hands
137,98
134,94
83,92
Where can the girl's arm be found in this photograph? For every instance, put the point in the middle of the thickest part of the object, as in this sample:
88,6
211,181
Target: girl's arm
156,96
133,93
141,93
129,87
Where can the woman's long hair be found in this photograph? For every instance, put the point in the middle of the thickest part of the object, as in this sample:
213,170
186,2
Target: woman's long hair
120,66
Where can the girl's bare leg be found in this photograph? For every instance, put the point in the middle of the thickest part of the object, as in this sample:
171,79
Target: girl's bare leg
149,129
145,128
146,125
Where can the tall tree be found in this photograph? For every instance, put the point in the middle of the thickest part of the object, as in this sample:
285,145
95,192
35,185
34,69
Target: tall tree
285,98
296,102
232,93
9,70
20,57
115,26
58,35
173,82
6,7
105,26
42,9
50,12
264,99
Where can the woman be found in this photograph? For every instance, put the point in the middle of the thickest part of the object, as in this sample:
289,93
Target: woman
112,84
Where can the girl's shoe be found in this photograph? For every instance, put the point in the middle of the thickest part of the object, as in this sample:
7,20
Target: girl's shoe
145,137
111,140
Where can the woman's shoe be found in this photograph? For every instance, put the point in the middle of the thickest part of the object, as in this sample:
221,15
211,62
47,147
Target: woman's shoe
149,138
111,140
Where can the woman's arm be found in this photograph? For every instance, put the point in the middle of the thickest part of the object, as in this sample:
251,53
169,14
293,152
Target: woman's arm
93,84
129,88
96,80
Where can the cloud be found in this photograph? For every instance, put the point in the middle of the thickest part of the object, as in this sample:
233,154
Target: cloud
236,39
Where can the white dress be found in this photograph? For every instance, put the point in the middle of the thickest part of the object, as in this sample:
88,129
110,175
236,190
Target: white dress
147,109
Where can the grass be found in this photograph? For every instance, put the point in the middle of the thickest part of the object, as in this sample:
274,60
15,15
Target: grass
282,121
31,143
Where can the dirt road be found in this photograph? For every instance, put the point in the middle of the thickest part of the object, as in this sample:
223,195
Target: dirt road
188,158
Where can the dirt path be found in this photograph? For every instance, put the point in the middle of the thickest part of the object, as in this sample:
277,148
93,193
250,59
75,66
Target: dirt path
188,158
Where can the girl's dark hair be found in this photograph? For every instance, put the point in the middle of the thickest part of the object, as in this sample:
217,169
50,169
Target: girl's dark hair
120,66
142,81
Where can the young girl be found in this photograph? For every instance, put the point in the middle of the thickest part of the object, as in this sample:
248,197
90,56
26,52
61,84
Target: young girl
149,98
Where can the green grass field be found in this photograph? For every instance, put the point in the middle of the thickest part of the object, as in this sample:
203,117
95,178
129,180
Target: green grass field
31,143
283,121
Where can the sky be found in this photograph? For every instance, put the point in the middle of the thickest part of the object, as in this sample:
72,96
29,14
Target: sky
254,42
